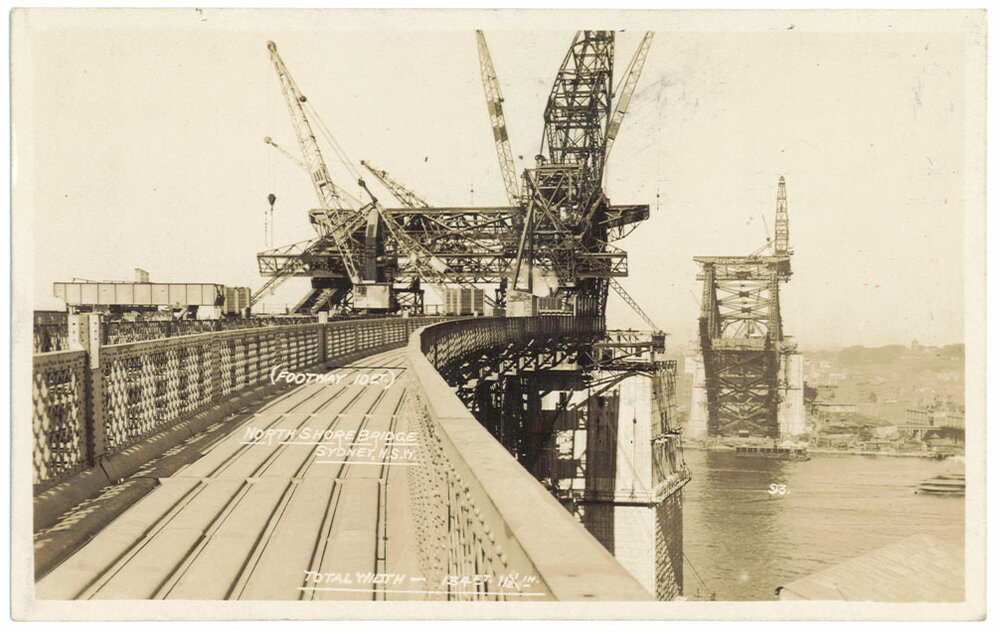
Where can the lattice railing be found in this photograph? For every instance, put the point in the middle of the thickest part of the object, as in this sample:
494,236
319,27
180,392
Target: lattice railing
454,536
141,388
59,408
52,337
450,342
477,513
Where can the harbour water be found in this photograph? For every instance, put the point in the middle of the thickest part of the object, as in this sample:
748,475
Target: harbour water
753,524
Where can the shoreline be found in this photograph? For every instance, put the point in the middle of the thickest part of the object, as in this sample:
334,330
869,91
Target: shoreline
835,451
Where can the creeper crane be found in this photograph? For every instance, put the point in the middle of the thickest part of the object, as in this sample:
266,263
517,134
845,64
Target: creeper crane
494,101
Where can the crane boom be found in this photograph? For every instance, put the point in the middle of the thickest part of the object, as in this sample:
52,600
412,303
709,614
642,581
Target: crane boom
781,221
344,195
625,94
617,287
494,104
398,191
286,153
326,192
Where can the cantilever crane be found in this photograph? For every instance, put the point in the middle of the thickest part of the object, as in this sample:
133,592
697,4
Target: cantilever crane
781,221
779,245
341,216
494,104
407,197
345,219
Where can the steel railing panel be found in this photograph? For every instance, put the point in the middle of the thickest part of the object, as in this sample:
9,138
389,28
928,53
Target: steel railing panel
58,393
143,387
463,527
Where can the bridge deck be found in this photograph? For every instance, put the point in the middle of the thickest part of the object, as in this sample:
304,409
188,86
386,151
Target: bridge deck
250,518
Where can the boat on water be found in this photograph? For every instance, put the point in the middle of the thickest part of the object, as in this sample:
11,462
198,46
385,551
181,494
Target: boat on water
946,484
789,453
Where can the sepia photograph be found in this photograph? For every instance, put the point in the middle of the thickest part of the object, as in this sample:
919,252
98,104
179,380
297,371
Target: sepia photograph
395,314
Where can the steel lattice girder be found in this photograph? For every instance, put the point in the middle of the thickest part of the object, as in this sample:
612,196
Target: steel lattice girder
758,268
492,364
477,245
741,308
559,232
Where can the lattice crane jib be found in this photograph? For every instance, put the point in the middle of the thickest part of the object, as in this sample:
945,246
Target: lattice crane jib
340,218
565,208
400,192
626,90
781,221
494,105
579,106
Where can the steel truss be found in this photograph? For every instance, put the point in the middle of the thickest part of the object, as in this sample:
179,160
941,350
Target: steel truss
741,337
503,387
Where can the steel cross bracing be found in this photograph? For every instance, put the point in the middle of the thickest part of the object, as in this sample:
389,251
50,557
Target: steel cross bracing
480,243
502,387
741,336
463,244
476,244
579,107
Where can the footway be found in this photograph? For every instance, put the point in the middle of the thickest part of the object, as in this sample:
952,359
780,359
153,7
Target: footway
272,518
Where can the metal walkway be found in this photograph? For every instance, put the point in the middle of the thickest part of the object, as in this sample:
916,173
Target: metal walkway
272,511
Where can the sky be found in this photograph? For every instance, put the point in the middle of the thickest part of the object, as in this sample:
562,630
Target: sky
138,142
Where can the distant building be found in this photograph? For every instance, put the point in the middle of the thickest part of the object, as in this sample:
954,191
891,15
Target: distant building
949,419
920,417
831,414
927,419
